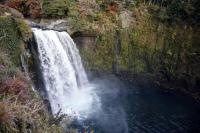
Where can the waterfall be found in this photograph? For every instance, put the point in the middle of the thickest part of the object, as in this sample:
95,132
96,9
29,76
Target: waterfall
65,79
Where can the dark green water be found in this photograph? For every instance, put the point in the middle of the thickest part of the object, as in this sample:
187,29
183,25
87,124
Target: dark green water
153,111
130,109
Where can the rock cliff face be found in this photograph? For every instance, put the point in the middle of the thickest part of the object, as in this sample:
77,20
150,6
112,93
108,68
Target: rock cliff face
141,45
129,38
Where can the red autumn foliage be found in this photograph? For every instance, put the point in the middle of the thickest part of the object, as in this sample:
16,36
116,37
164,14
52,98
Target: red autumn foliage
17,86
112,7
13,11
31,8
13,4
34,7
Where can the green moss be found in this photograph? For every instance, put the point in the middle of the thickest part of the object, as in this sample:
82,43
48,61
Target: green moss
100,57
14,33
124,52
56,8
10,39
149,46
24,29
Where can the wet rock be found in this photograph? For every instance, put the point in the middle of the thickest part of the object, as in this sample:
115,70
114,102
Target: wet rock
85,41
35,24
60,25
51,24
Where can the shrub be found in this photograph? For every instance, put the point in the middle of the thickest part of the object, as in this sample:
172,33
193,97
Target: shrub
13,4
55,8
30,116
21,110
34,8
10,38
17,86
24,29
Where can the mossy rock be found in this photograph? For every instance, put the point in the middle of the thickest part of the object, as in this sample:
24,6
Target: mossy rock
24,29
13,35
100,56
10,39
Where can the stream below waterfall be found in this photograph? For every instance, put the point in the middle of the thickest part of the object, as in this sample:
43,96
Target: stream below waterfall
130,109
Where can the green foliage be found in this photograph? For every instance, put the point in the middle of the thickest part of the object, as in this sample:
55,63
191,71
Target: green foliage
10,40
173,11
100,57
7,69
182,9
151,46
4,59
56,8
20,114
24,29
14,32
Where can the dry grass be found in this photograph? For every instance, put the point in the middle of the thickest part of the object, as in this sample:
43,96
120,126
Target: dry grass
18,117
15,86
21,111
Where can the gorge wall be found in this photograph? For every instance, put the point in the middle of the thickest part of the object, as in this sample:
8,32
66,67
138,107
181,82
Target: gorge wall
130,38
167,52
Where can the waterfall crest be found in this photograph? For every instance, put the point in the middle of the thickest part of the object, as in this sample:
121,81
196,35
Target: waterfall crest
65,79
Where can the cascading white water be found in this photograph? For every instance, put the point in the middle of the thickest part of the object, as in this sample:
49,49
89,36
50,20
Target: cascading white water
67,86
